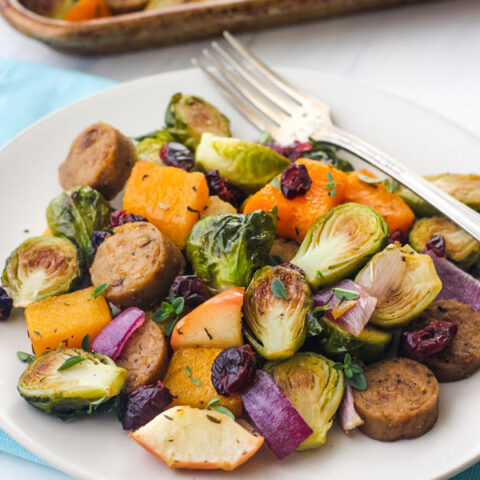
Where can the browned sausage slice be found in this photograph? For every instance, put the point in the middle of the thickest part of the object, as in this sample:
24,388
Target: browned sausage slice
400,401
462,357
138,263
144,355
100,157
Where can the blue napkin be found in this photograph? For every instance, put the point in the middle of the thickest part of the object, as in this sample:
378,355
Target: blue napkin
28,92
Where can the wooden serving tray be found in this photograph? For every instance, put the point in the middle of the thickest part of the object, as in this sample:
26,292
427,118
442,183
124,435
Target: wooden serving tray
145,29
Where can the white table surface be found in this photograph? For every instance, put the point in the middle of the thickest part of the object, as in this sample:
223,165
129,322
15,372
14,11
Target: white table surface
429,53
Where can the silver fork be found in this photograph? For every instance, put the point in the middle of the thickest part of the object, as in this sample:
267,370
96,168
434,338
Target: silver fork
273,105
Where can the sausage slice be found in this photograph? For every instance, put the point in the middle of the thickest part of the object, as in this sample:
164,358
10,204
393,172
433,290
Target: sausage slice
144,355
461,357
100,157
138,263
400,401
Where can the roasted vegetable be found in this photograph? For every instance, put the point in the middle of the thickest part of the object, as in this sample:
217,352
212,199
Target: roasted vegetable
51,8
403,282
340,242
334,341
247,165
463,187
224,250
41,267
148,148
315,389
76,214
461,248
70,381
276,306
88,10
188,117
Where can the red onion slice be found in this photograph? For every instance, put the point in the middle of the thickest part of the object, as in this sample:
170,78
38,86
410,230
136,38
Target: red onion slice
348,416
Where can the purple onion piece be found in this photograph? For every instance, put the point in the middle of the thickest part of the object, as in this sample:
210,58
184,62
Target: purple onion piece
275,417
112,338
348,416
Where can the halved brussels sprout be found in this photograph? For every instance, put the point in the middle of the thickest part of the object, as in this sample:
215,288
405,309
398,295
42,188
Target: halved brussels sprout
247,165
226,249
276,305
368,346
71,381
188,117
41,267
76,214
461,248
463,187
148,148
315,389
404,283
340,242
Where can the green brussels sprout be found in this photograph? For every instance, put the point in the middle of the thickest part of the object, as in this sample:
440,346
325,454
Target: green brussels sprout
71,381
463,187
148,148
226,249
325,153
188,117
461,248
314,388
340,242
404,283
335,342
276,305
41,267
247,165
76,214
56,9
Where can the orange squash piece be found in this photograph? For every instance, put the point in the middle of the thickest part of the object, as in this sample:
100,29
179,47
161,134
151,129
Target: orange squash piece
168,197
391,206
297,215
47,233
66,318
88,10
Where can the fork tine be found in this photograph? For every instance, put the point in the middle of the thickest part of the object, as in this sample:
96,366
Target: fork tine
273,114
250,58
286,104
238,102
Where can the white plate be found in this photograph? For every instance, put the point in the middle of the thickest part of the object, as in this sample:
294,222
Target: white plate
97,448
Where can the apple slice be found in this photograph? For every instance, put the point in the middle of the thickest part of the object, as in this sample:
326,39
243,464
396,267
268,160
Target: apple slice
216,323
187,437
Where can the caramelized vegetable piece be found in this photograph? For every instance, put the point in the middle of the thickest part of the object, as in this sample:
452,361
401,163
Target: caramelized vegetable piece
67,319
88,10
189,379
185,437
168,197
396,212
297,215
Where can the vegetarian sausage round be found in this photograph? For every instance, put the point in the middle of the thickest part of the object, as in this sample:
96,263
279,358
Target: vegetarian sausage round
100,157
461,357
400,401
138,263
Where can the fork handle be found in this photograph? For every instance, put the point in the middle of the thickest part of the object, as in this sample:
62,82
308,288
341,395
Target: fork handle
463,216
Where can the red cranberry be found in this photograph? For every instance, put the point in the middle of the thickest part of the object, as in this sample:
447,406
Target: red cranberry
98,237
233,370
6,304
193,290
398,236
430,340
120,217
291,266
292,152
144,404
225,189
437,245
177,155
295,181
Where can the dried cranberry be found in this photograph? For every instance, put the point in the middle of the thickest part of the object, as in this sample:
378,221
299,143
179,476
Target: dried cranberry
177,155
430,340
225,189
193,290
437,245
292,152
291,266
120,217
233,370
98,237
398,236
6,304
144,404
295,181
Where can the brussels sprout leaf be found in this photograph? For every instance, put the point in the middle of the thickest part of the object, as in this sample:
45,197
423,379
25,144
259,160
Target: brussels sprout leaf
332,185
343,294
278,289
353,372
99,290
313,325
70,362
26,357
86,343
